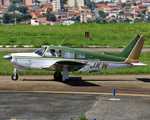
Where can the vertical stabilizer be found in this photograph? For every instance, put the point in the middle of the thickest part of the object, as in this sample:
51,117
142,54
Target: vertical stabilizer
133,49
134,55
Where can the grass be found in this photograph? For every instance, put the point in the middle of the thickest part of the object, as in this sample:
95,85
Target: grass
7,69
82,117
114,35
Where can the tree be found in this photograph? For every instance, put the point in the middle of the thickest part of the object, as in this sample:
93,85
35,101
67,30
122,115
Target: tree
89,21
102,14
137,20
98,21
148,20
134,3
22,9
128,5
127,20
123,5
12,8
113,21
144,11
104,21
48,10
26,17
8,18
86,2
142,16
62,2
11,18
77,19
106,2
91,5
52,16
121,13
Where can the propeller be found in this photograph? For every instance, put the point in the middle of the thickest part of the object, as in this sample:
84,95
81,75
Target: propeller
7,57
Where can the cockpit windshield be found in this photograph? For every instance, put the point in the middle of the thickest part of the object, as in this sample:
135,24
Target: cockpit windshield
40,51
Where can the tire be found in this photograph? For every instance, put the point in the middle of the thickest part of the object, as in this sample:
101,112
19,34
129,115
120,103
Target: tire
14,77
57,76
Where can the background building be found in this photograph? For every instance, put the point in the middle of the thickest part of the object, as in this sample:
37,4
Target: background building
4,2
31,2
96,1
76,3
83,17
42,2
56,5
28,2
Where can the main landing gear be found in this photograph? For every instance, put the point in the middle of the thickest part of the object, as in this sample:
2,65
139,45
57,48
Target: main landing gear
65,77
57,76
14,76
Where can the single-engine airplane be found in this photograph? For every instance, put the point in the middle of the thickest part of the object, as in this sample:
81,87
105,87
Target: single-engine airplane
65,59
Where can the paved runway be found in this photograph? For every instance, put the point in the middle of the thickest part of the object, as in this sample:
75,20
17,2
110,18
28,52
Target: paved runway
42,98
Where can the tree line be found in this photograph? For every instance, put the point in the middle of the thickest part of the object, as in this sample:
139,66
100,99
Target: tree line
10,18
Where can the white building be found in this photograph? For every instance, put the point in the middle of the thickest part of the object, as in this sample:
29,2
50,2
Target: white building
83,17
56,5
4,2
76,3
96,1
31,2
146,3
35,22
69,22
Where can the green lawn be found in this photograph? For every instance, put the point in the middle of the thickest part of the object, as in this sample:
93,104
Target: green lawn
114,35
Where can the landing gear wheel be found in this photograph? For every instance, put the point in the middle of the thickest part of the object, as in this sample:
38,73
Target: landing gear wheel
57,75
14,77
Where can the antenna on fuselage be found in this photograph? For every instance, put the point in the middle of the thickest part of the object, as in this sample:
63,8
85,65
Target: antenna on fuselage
62,41
104,50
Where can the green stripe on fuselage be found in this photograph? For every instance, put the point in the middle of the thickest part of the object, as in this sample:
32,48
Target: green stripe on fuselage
89,55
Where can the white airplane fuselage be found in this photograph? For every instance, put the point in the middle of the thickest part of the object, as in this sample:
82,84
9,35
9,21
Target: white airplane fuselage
27,61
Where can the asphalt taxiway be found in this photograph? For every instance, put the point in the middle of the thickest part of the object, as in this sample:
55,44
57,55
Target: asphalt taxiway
41,98
129,84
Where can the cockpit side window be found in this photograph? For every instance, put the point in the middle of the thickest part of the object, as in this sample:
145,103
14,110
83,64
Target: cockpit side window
79,55
68,54
53,53
40,51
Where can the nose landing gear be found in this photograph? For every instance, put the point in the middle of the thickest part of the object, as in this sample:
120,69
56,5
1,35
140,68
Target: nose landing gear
14,76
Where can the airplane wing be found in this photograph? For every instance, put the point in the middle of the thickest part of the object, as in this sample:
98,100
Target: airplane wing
58,66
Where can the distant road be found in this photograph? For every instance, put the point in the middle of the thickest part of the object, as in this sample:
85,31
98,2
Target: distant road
89,49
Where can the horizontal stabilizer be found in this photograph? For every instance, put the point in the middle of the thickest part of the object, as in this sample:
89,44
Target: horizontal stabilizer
138,64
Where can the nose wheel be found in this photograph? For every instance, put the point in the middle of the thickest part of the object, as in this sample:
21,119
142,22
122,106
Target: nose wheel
14,76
